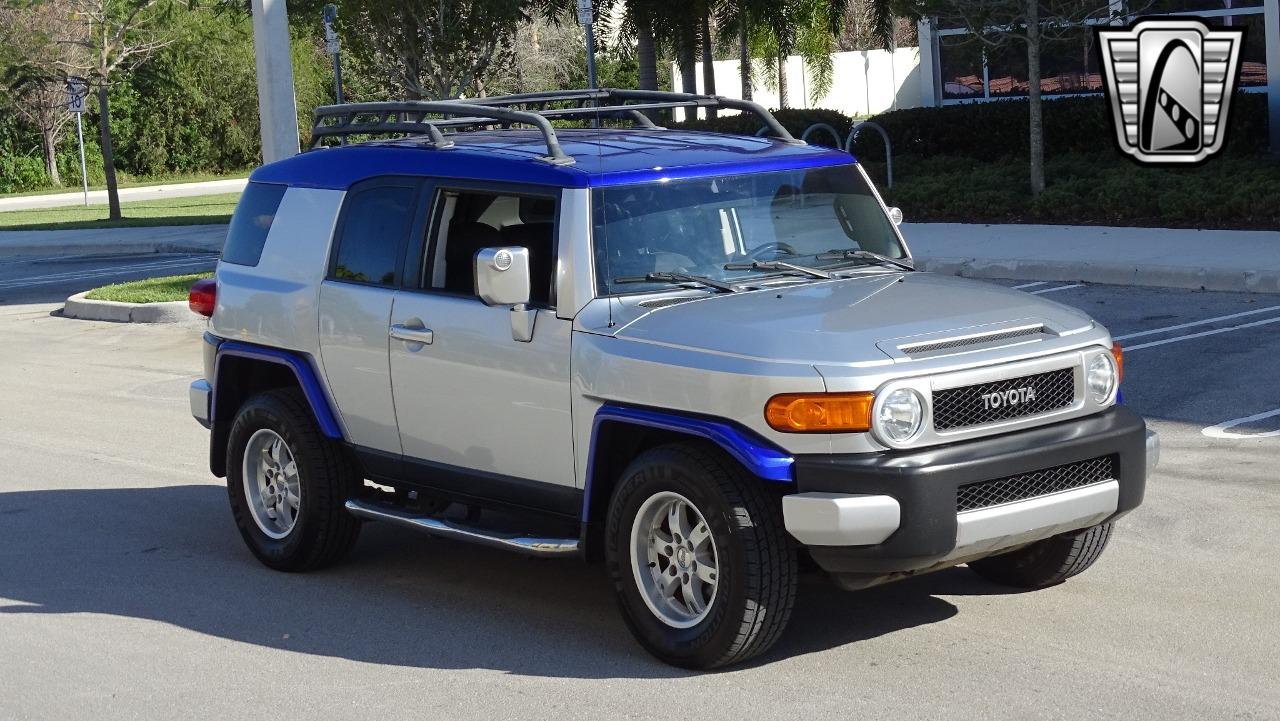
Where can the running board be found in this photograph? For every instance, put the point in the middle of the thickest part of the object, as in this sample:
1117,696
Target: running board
546,547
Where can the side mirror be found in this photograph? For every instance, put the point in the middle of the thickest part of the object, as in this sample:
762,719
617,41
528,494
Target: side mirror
895,214
502,276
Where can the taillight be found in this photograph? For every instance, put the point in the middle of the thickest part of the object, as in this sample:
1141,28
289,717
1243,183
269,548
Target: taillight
203,297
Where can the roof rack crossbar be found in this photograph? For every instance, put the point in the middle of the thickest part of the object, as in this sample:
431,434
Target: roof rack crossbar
347,121
410,116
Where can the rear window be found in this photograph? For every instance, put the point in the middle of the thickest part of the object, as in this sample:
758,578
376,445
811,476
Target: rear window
251,222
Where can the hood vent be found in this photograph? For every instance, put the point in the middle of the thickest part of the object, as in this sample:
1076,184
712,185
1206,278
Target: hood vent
664,302
933,346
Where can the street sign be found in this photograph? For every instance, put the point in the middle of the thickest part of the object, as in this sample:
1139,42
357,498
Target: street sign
330,32
77,90
585,16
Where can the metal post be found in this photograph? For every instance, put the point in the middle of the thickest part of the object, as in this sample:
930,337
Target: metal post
333,48
84,175
591,58
277,107
1271,27
586,18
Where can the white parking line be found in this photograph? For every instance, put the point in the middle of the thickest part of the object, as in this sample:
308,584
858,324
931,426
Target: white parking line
1201,334
1055,289
1024,286
1222,430
1206,321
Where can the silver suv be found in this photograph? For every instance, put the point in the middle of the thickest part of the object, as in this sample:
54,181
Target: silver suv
703,359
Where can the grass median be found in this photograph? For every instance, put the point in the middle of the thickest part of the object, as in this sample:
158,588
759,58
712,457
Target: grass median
152,290
195,210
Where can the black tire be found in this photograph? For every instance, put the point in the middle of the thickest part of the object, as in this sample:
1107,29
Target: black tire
324,531
1048,562
757,572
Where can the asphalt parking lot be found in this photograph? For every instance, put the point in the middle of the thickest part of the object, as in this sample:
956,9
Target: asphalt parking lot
125,591
53,277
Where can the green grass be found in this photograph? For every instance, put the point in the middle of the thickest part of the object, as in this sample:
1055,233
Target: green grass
151,290
142,182
198,210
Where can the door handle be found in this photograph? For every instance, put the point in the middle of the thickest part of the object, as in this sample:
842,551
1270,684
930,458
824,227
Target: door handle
410,334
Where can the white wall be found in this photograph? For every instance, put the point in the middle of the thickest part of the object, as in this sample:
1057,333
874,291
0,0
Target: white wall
863,82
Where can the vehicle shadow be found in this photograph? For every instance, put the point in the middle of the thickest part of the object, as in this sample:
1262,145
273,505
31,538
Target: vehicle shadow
172,554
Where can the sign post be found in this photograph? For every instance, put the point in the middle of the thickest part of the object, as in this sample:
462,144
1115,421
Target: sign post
332,47
77,91
586,18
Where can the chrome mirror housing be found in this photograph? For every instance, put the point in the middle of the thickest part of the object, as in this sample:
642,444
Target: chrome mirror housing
502,276
895,214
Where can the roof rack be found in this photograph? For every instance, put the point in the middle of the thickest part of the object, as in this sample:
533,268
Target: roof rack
410,116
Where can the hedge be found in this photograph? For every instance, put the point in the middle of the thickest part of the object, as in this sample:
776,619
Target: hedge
990,131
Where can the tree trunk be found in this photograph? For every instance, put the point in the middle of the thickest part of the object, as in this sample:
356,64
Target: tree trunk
685,57
744,57
782,81
1033,98
108,155
708,59
49,141
646,54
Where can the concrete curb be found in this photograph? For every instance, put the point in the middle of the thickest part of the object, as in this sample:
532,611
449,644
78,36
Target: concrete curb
78,306
1151,276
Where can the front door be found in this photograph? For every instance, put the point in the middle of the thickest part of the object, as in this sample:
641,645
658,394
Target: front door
479,413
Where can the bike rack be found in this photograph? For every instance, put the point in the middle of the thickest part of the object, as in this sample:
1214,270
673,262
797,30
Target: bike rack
822,126
888,147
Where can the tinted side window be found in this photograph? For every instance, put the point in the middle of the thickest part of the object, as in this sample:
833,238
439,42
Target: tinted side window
251,222
374,226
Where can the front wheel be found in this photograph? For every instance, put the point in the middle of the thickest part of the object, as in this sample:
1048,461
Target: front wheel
701,564
1048,562
288,484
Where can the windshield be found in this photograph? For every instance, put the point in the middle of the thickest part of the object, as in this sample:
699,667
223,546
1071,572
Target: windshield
698,226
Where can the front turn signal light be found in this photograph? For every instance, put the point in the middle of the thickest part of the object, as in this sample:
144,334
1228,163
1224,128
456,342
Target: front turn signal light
1118,353
820,412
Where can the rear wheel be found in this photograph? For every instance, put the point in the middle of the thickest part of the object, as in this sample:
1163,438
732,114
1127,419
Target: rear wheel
702,567
288,484
1048,562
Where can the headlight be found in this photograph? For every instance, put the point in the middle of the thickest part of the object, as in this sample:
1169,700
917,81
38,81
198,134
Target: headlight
899,415
1101,377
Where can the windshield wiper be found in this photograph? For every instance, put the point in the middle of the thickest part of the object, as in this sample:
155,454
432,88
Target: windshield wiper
778,265
855,254
668,277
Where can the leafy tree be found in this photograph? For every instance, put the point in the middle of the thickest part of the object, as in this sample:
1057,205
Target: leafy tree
32,65
119,37
434,48
804,27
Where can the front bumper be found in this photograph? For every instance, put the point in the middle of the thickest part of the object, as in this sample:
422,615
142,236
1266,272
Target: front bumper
896,511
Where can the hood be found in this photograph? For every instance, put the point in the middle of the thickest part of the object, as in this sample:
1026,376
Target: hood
850,321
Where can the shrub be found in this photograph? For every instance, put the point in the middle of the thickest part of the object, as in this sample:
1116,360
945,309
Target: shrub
20,173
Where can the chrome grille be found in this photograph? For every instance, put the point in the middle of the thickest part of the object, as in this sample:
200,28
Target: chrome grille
963,407
986,494
933,346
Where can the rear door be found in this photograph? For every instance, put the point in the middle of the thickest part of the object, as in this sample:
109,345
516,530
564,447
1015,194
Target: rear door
365,268
480,413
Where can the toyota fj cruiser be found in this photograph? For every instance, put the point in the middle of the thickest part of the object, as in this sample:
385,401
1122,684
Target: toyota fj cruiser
701,358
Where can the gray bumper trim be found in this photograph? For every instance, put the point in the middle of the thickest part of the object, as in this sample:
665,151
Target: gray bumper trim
991,529
836,519
200,392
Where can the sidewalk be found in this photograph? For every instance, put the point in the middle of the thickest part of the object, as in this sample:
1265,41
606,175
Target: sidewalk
113,241
1225,260
149,192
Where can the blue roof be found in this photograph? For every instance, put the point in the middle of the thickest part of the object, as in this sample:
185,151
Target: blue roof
603,157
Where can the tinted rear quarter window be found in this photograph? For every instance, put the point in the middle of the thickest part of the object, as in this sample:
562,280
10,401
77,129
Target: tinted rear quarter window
251,222
375,224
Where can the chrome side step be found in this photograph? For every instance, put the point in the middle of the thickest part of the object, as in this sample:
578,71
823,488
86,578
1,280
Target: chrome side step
547,547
